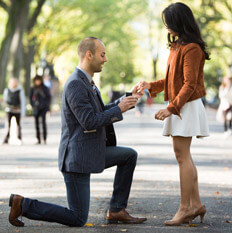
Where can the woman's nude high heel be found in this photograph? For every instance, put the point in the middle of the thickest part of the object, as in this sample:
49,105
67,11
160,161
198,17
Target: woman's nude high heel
200,212
185,218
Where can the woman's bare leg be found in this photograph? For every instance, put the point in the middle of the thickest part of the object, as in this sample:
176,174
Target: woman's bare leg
188,174
195,200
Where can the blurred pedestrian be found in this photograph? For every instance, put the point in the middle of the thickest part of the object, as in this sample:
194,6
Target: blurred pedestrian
185,115
47,81
149,101
140,105
224,112
40,99
15,101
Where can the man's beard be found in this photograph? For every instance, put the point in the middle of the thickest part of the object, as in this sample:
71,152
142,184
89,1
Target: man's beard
96,67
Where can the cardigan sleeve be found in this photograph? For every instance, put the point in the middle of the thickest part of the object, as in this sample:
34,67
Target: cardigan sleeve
156,87
191,67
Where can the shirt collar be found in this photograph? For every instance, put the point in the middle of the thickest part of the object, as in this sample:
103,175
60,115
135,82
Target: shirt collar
89,77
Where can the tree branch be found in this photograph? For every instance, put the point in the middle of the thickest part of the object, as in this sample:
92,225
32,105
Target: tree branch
229,7
35,14
4,6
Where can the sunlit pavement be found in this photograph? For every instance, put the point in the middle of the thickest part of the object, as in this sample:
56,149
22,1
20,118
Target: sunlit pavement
31,170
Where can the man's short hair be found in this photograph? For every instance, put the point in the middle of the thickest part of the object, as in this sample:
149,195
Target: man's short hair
87,44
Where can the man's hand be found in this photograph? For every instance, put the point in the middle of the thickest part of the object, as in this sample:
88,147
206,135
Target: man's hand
162,114
136,93
127,103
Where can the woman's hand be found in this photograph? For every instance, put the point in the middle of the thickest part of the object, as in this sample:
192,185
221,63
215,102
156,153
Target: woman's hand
143,85
136,93
162,114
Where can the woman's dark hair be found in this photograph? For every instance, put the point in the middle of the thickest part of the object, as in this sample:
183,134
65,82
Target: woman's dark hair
38,77
179,18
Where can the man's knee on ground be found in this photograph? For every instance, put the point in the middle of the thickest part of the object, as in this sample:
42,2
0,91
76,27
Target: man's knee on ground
80,220
79,223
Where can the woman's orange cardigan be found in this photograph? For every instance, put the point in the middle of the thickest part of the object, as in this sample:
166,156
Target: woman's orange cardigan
184,80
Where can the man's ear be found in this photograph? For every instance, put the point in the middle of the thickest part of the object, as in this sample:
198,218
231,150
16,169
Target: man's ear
89,55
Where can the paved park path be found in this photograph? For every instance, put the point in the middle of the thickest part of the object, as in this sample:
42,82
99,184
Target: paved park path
31,170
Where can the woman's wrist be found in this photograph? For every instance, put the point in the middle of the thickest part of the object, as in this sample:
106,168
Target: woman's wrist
148,86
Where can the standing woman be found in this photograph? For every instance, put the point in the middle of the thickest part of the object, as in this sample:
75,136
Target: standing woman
40,99
185,115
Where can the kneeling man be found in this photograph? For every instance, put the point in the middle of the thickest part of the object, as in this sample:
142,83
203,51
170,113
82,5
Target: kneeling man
88,145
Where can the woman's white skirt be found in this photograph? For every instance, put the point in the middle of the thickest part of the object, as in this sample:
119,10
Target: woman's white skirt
194,121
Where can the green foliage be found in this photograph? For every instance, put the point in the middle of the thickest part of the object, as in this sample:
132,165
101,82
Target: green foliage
3,17
212,75
215,21
64,23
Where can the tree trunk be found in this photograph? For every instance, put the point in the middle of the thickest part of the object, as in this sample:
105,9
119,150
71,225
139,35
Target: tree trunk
5,46
29,48
155,68
17,45
28,60
4,58
14,29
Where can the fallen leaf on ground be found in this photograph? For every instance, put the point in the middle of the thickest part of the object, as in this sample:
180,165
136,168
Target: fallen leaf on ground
124,230
191,225
218,193
155,217
104,225
37,224
227,221
89,224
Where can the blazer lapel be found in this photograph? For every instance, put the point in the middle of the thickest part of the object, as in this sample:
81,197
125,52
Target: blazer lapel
89,86
85,79
99,97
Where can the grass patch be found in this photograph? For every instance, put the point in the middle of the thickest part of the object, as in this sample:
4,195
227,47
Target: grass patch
2,114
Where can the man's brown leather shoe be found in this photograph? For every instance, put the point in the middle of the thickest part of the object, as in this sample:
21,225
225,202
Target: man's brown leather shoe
122,216
16,210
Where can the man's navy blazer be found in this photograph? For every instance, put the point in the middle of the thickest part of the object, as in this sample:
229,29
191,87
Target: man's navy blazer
85,120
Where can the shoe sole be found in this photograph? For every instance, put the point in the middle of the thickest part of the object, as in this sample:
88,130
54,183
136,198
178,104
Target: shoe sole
122,222
112,222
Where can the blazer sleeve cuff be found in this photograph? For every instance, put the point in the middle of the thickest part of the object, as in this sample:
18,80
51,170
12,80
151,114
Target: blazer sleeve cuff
152,94
117,114
174,109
